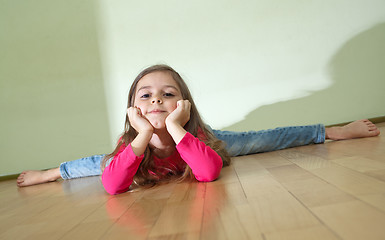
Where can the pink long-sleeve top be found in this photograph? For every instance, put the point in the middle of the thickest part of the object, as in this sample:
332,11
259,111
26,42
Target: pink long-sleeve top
204,162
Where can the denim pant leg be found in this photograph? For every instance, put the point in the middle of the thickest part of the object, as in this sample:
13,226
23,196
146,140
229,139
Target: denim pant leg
243,143
83,167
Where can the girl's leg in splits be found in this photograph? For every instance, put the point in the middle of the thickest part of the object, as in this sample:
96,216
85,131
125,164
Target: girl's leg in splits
83,167
243,143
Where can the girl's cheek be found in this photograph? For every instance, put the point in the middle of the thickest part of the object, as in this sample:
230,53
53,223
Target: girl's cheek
172,106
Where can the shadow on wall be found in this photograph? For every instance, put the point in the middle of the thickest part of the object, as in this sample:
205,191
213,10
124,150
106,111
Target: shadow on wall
358,91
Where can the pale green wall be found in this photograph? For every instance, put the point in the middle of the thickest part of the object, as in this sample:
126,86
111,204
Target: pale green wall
253,64
358,91
66,67
52,98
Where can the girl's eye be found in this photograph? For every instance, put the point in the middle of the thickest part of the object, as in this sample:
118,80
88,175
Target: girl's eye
168,95
145,96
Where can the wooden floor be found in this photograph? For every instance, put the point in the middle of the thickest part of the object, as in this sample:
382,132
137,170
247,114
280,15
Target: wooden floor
334,190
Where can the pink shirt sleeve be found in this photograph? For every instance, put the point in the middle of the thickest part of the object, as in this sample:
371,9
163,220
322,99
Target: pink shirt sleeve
117,177
204,162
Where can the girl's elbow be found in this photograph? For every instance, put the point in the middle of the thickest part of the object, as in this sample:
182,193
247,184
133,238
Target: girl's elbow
208,177
114,191
212,175
111,192
112,188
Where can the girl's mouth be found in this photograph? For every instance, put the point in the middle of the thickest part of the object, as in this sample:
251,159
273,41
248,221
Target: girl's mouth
156,111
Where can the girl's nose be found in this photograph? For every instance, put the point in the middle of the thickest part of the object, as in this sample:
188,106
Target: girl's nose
159,101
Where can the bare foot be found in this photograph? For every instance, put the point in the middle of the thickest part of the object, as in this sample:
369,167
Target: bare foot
32,177
356,129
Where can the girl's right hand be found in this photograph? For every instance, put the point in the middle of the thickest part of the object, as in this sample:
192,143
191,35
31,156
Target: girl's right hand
137,121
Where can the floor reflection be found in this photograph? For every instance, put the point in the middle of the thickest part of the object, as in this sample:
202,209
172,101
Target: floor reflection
181,211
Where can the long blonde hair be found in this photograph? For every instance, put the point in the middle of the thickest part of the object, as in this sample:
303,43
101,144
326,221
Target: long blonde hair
195,126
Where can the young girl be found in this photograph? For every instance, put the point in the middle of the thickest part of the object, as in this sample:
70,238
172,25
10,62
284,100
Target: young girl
166,139
164,136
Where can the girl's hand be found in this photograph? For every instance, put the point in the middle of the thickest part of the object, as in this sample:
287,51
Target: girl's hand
181,115
144,129
177,119
137,121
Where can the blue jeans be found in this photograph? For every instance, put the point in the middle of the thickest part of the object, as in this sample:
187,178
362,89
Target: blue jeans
237,144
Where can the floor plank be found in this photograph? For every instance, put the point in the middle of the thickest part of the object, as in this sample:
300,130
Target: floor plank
353,220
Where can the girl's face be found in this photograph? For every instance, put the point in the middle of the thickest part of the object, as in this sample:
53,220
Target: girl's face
156,95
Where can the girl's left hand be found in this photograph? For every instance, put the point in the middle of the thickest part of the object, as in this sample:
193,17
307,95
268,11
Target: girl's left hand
181,115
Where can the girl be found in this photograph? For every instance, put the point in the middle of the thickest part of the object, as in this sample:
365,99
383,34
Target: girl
166,139
164,136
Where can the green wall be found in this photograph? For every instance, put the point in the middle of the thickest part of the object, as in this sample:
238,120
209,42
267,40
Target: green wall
253,64
358,90
52,97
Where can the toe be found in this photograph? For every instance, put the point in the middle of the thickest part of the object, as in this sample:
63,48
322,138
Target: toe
20,177
374,132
